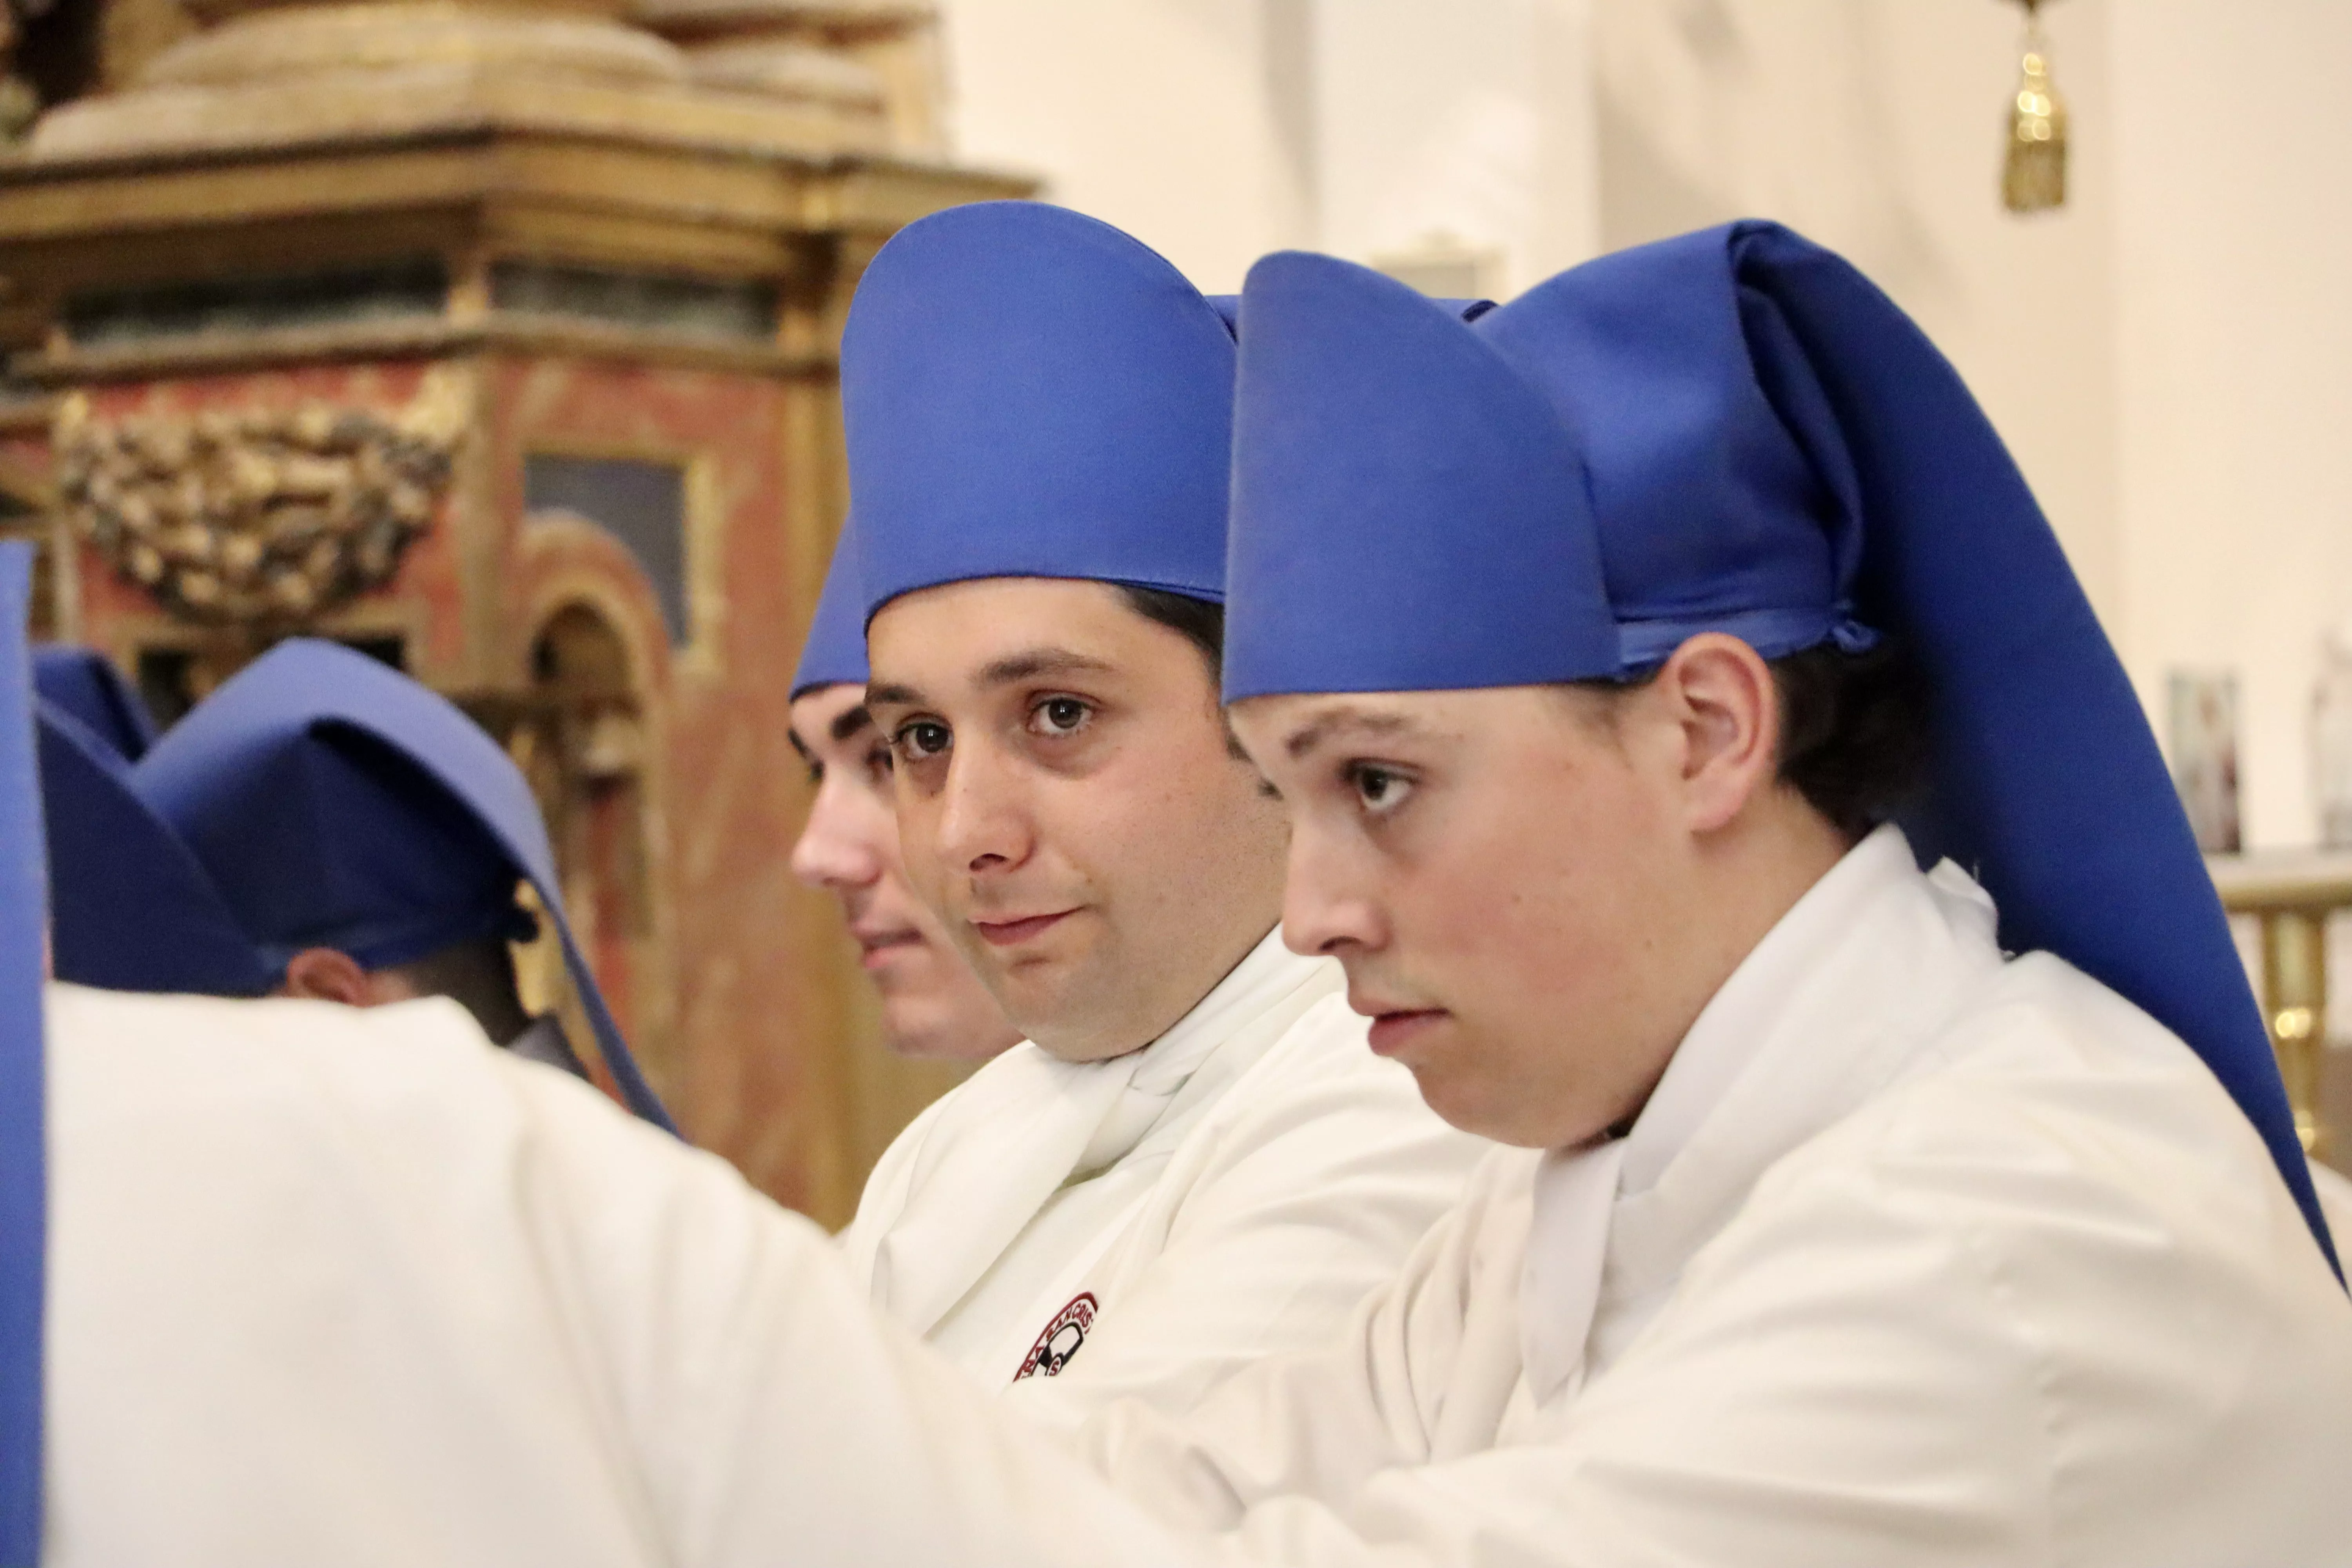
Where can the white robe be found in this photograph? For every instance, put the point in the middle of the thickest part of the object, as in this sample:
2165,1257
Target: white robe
1927,1258
1140,1227
1917,1255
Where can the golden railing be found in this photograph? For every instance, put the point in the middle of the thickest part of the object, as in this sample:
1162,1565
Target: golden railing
2291,895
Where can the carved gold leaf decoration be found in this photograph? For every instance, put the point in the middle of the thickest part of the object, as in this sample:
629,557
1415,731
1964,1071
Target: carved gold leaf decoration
257,514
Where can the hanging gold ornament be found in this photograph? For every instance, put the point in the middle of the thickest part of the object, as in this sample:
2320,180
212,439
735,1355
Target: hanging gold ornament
2033,175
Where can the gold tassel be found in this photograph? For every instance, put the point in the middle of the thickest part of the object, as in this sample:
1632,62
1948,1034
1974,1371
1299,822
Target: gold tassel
2033,175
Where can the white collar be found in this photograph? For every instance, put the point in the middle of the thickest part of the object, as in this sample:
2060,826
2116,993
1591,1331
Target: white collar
1747,1007
1842,993
1267,974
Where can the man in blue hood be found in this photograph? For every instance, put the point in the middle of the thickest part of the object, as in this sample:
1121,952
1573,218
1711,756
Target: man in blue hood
320,827
932,1004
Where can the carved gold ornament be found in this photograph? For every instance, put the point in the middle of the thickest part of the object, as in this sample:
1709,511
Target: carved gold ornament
257,514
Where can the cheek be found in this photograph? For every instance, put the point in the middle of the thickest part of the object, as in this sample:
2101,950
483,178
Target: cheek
858,818
913,836
1154,819
1543,905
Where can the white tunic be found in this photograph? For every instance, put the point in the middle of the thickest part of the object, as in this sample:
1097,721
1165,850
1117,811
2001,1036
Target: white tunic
1918,1257
1233,1190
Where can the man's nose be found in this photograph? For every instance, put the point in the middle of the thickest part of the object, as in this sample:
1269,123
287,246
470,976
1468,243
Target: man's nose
833,851
984,824
1325,909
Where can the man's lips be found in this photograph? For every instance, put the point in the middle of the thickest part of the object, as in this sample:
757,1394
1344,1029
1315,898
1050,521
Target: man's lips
1006,933
1391,1032
876,948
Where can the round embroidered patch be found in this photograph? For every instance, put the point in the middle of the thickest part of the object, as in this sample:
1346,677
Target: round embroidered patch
1061,1338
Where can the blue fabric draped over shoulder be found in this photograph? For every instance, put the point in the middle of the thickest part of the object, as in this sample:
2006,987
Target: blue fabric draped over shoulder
1764,444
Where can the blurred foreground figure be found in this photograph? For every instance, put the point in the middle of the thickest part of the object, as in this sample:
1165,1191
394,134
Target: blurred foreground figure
320,827
933,1006
1839,1236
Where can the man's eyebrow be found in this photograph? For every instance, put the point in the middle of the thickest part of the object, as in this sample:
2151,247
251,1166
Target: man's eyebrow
1031,663
849,723
1011,669
1338,719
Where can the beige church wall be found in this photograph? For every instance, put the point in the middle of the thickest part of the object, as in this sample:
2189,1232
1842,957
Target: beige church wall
1219,130
1467,127
2234,250
1876,127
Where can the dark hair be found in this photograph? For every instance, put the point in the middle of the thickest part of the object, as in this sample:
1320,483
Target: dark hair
1199,622
479,975
1853,729
1853,732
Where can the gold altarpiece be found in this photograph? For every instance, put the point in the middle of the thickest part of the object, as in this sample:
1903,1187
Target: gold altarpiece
500,340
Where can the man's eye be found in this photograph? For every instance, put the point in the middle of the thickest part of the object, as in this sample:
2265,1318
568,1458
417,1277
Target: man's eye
815,772
921,738
878,764
1058,716
1380,789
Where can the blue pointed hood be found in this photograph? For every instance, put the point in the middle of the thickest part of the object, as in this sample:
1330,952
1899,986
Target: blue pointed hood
337,803
1772,449
834,653
1029,393
1408,513
129,908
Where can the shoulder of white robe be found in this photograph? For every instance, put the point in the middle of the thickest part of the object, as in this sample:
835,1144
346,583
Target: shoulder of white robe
24,1174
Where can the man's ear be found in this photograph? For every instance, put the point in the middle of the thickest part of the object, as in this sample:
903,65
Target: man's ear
328,974
1722,694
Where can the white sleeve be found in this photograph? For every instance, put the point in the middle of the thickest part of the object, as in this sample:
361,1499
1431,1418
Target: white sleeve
354,1289
776,1415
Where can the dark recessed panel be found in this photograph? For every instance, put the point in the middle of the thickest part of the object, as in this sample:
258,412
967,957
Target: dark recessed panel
396,290
649,301
642,504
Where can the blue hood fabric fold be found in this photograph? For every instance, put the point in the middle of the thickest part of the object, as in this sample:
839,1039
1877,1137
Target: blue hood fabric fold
130,909
84,682
1758,442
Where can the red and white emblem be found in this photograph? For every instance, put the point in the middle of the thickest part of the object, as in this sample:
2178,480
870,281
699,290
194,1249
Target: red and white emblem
1061,1338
